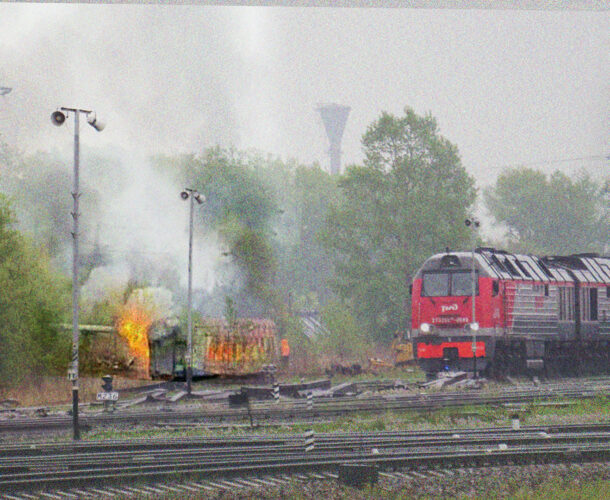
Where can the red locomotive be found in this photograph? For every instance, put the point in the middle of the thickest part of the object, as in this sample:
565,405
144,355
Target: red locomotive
530,313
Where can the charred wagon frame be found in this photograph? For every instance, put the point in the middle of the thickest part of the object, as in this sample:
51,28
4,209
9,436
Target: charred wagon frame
243,347
532,313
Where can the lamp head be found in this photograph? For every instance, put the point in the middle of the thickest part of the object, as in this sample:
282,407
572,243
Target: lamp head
472,222
58,118
95,122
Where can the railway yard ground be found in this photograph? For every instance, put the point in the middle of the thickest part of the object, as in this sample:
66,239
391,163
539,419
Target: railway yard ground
459,438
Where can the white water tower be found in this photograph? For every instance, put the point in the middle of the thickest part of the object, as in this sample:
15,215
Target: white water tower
334,117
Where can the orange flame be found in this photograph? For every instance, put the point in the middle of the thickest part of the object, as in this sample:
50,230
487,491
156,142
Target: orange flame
133,324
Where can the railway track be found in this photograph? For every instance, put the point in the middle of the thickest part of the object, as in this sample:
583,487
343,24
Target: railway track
291,410
155,463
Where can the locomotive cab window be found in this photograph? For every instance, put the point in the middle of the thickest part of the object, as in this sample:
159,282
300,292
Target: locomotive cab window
449,284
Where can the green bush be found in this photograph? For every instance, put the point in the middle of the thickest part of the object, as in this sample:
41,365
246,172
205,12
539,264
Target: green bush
345,340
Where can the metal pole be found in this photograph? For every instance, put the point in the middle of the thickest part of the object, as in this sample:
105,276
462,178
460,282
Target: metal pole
474,288
75,289
189,347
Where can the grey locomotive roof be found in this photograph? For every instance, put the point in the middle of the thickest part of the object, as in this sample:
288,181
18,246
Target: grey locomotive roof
583,268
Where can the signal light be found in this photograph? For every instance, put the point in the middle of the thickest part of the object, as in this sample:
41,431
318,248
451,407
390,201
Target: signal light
107,383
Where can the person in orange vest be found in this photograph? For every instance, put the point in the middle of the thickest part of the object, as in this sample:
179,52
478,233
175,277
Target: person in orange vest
285,353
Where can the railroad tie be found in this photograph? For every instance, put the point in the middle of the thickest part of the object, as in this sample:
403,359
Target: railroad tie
66,494
264,482
275,480
435,473
418,474
152,490
330,475
50,495
174,488
246,483
130,490
315,475
117,491
232,484
189,487
203,486
103,492
83,493
218,485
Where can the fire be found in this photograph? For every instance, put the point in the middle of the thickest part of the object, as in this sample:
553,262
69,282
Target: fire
136,316
133,324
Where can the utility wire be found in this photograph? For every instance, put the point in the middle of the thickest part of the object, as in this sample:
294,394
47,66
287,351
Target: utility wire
551,162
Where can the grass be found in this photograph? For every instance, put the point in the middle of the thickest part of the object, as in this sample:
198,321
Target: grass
45,391
48,390
578,411
591,490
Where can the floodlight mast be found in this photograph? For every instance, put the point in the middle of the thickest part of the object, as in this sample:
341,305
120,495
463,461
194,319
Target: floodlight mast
473,224
58,118
191,195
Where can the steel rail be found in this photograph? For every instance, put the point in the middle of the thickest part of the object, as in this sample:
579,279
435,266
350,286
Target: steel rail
34,468
58,475
254,440
160,449
323,407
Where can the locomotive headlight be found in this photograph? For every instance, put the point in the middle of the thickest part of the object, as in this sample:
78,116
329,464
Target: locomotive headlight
474,327
425,328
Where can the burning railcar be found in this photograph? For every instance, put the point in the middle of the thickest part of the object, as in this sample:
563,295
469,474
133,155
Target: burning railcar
243,347
240,348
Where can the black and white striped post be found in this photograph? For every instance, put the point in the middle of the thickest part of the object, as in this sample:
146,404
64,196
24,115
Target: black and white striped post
276,392
310,440
310,401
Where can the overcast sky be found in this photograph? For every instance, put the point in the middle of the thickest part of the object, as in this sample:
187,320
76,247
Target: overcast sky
507,87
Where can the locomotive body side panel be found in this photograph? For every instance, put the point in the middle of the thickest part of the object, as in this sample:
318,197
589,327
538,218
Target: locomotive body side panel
533,308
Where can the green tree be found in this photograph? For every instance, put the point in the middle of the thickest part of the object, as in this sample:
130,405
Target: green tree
407,202
32,300
39,187
240,207
551,214
304,195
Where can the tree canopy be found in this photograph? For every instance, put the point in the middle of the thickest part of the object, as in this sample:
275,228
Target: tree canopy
551,214
407,201
39,188
32,302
